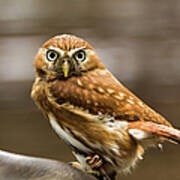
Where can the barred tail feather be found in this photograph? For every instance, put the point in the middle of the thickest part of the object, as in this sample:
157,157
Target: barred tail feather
169,133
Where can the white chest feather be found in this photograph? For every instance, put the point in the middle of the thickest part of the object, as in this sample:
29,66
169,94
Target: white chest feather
66,135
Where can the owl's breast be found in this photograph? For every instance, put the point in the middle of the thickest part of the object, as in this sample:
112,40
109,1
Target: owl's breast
74,120
66,135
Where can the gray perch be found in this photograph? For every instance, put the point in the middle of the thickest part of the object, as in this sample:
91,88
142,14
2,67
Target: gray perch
19,167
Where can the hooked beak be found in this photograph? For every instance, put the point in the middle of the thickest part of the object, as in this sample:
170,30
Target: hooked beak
65,68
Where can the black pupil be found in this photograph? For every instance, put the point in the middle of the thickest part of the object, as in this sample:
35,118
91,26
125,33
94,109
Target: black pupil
80,55
52,55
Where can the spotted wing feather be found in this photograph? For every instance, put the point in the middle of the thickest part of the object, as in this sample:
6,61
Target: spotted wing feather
99,92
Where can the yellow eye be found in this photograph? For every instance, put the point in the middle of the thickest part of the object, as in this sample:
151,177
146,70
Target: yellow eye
52,55
80,56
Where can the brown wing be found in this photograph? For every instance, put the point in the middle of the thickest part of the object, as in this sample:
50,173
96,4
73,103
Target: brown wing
99,92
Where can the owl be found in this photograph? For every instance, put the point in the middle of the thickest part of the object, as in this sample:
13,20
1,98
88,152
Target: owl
106,126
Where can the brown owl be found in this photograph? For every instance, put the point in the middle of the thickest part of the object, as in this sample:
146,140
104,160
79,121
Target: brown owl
106,126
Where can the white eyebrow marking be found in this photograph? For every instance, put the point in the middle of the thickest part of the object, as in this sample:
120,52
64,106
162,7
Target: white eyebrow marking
72,51
57,50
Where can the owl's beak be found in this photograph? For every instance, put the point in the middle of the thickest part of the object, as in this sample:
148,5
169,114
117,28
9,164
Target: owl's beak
65,68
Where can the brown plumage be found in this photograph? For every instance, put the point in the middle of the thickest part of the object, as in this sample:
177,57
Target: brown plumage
92,111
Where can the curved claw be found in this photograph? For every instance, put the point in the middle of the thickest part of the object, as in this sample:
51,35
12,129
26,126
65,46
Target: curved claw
95,162
76,165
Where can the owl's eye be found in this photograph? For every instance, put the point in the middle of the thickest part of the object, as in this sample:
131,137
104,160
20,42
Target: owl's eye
52,55
80,56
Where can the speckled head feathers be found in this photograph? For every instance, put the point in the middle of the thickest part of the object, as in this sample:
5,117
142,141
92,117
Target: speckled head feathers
65,56
67,42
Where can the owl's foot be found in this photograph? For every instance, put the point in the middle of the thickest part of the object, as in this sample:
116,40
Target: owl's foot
95,162
98,174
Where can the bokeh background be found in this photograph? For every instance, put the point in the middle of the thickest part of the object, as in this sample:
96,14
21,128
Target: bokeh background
139,41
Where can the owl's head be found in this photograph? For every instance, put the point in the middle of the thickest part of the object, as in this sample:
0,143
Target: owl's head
65,56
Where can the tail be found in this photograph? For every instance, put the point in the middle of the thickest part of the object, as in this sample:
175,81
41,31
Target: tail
168,133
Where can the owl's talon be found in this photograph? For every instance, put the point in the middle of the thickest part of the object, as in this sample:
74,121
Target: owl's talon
98,174
94,162
76,165
94,173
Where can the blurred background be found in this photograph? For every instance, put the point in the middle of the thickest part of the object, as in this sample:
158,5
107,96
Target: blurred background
139,41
